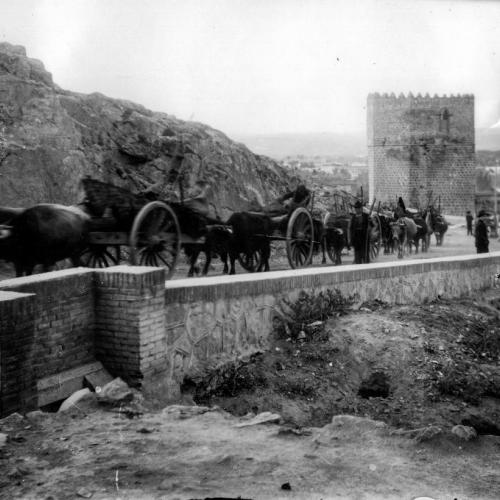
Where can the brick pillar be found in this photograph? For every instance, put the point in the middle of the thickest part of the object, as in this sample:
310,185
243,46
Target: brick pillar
130,331
17,332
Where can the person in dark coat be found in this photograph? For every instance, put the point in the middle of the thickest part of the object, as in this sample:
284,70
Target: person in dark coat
359,234
482,241
469,218
400,210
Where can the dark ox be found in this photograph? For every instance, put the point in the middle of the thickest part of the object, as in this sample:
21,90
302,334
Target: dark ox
440,226
436,224
404,231
44,234
387,240
217,242
335,237
421,237
250,236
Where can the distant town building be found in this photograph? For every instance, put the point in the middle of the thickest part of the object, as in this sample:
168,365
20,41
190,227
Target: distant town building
422,146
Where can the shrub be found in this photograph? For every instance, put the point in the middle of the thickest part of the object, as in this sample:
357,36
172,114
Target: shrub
309,312
462,380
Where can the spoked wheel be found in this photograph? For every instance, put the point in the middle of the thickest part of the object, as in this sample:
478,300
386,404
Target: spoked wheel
250,262
100,256
155,239
299,238
375,237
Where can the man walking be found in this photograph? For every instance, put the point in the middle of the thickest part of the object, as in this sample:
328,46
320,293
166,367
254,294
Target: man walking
482,241
359,234
468,219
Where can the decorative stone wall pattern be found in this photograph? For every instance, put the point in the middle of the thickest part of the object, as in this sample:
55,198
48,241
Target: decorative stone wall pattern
422,144
209,320
206,331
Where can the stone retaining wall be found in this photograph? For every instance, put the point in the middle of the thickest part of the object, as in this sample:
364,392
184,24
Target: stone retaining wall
215,318
152,333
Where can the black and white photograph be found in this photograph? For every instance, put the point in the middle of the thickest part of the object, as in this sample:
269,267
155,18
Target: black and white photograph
250,249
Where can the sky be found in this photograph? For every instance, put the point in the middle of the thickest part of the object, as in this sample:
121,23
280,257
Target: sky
262,66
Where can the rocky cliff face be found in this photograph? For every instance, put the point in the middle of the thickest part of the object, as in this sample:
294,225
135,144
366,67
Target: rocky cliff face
50,138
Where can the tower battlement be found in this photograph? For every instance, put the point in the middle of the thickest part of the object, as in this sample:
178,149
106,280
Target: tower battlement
401,96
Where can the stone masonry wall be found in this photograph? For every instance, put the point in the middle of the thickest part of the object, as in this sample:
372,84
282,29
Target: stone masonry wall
212,319
418,145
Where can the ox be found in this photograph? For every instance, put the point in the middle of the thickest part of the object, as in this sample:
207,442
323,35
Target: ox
387,240
421,234
404,231
436,224
440,226
44,234
337,241
217,241
250,235
335,236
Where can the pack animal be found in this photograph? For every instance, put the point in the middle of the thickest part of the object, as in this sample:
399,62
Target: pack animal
421,236
440,226
387,240
250,236
335,237
217,242
404,231
44,234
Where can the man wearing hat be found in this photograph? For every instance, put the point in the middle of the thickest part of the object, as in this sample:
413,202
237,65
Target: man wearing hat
469,219
359,234
482,241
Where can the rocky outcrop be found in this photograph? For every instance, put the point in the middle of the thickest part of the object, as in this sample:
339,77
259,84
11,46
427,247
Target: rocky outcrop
50,138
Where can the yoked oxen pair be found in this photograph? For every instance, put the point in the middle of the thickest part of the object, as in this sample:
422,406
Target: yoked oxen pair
43,234
244,235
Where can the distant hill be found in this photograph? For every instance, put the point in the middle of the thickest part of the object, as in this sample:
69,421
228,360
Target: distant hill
279,146
488,139
348,145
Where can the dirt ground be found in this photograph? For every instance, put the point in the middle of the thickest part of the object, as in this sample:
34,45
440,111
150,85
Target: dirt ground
441,363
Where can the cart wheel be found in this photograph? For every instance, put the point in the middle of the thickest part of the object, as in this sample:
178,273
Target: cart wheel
250,263
155,238
375,237
299,238
100,256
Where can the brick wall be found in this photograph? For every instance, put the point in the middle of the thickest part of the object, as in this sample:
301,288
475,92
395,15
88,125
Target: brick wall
422,144
63,312
17,331
130,322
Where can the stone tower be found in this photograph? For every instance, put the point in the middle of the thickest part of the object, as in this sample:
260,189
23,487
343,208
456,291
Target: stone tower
420,146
